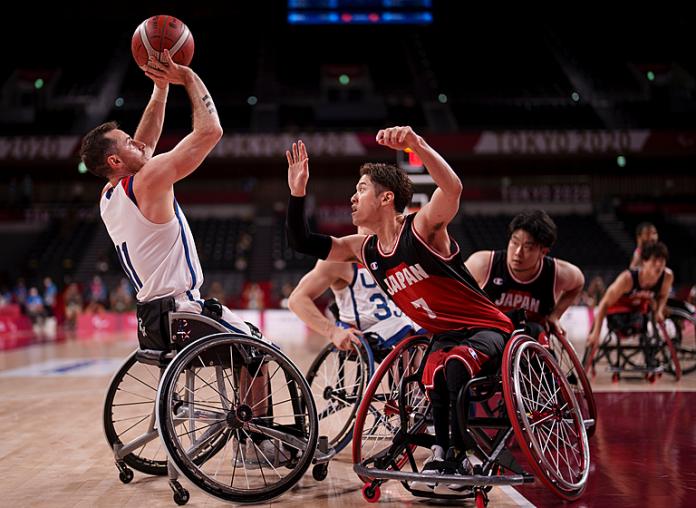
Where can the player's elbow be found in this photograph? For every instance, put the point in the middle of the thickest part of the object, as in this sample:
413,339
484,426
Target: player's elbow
293,302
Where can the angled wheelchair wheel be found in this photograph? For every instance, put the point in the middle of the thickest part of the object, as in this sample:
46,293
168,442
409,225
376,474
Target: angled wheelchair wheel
668,355
129,414
681,328
569,363
546,417
338,380
394,407
246,394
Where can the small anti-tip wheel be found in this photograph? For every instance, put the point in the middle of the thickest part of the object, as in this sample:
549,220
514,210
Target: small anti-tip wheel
126,475
181,498
370,493
181,495
481,499
615,377
651,377
320,471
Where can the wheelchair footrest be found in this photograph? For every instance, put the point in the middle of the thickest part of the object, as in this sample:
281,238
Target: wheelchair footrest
154,357
471,480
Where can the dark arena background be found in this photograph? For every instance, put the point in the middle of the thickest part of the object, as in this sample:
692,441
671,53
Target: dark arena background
587,114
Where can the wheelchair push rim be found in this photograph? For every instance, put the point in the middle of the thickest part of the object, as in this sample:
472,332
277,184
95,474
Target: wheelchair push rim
224,405
546,417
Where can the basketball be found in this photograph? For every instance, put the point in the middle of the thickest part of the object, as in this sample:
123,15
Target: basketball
158,33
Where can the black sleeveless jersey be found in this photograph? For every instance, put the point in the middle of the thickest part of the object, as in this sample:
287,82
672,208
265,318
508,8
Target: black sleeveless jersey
536,296
436,292
637,299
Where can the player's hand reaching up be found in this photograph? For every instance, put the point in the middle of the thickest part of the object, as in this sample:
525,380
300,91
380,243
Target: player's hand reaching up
298,168
398,138
166,70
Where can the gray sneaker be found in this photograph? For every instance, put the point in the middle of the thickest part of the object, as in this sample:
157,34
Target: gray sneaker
268,453
433,465
457,464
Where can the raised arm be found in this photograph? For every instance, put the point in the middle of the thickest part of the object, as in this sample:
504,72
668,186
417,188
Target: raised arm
159,173
300,238
150,127
323,276
569,283
432,219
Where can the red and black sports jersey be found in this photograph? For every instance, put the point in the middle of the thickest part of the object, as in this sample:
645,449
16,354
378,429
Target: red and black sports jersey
535,296
637,299
436,292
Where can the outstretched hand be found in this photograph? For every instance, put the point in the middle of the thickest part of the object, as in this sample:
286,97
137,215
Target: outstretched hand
298,168
165,70
398,138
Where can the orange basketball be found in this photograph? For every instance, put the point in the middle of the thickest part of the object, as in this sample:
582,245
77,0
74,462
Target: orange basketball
158,33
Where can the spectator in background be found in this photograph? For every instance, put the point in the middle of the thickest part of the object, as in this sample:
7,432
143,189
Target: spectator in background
594,292
73,305
96,295
121,298
217,291
19,293
285,292
49,296
35,306
253,296
692,295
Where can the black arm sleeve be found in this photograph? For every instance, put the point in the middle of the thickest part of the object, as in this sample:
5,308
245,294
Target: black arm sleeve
300,237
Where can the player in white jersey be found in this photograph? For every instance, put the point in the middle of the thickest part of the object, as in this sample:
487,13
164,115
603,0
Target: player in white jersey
152,237
362,305
149,230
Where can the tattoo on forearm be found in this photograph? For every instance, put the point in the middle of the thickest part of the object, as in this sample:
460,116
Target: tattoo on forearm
209,104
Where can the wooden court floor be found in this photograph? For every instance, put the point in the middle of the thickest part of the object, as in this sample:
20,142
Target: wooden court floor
53,451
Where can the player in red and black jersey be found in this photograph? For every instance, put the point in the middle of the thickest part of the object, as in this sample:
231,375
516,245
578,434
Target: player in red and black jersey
524,277
417,263
635,292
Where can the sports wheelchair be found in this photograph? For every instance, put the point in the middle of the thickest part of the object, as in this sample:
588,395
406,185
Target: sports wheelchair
680,325
635,344
233,414
540,410
338,380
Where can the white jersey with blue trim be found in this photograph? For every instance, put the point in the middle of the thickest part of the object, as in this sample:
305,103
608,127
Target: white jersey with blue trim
363,304
159,259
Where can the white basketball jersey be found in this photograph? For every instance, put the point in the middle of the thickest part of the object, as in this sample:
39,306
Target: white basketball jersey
364,305
159,259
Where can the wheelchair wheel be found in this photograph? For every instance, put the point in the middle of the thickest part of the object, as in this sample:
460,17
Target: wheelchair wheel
546,417
680,328
668,355
246,394
567,359
394,404
338,380
129,413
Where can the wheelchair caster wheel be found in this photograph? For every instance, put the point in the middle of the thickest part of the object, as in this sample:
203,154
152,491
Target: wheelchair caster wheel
181,495
615,377
125,474
651,377
320,471
370,493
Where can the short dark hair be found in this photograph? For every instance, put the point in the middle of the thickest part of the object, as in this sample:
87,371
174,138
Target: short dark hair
96,147
643,226
656,250
390,178
538,224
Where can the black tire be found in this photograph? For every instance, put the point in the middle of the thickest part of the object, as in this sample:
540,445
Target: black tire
128,407
338,402
214,408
